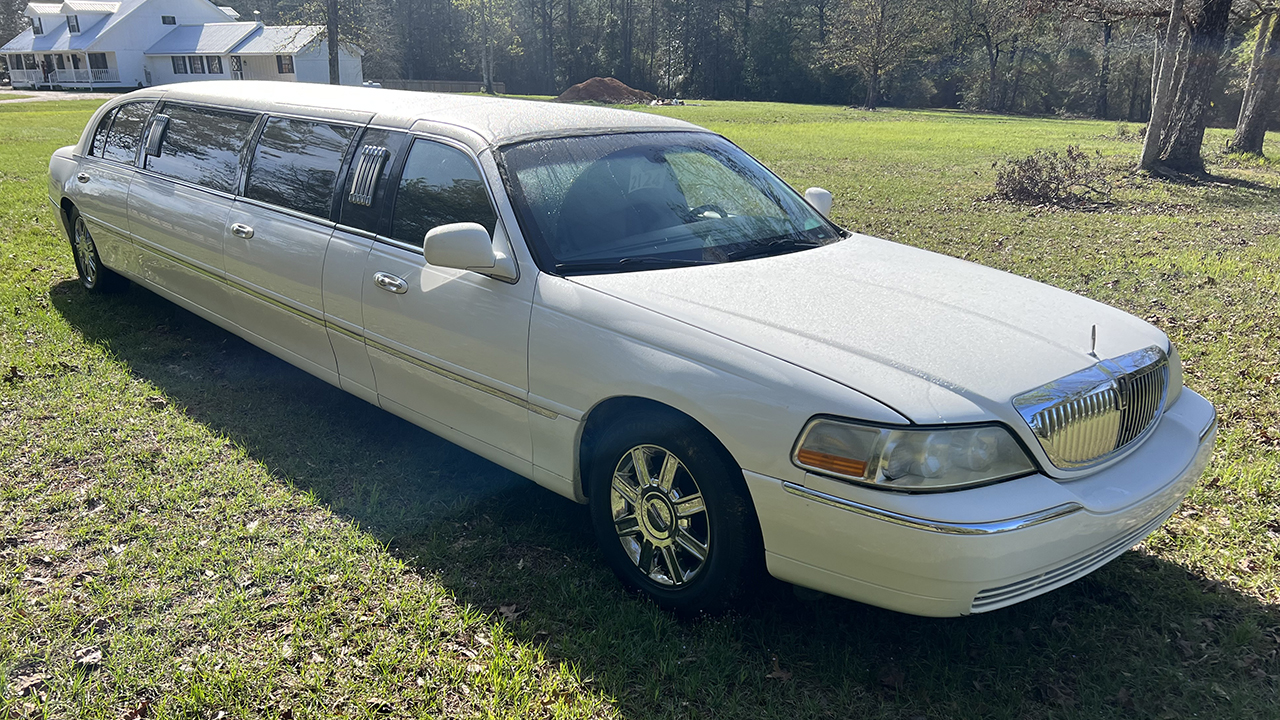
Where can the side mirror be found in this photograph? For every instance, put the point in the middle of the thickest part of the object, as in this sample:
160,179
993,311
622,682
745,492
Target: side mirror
465,246
155,134
820,200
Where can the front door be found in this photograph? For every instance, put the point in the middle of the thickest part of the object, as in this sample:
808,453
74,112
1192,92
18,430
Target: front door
237,68
447,345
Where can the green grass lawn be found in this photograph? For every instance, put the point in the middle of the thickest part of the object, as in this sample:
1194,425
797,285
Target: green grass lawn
191,527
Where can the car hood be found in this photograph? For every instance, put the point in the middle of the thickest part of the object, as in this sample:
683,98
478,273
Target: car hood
937,339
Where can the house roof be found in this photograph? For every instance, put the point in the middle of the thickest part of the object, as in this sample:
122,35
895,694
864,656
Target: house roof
57,38
43,8
279,40
86,6
206,39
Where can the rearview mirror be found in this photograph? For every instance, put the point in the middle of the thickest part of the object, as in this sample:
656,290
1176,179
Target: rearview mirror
464,246
820,200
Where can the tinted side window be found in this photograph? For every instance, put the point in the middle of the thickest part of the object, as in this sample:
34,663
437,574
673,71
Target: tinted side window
126,132
368,216
296,164
203,146
439,185
100,133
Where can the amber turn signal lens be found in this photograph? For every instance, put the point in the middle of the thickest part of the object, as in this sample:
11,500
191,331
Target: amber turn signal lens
832,463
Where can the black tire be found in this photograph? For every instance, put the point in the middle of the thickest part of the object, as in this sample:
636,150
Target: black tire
94,276
668,519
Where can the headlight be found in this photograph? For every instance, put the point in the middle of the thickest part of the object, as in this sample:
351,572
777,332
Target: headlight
1175,378
910,459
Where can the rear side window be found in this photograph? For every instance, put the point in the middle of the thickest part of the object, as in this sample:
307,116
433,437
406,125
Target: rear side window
100,134
296,164
439,185
203,146
126,132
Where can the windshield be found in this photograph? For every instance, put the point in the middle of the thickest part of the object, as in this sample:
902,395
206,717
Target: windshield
617,203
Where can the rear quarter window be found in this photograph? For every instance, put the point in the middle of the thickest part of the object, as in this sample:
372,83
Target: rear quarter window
126,132
203,146
99,142
296,164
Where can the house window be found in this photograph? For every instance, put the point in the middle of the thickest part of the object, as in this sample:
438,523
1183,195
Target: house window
97,61
197,64
30,61
215,65
179,65
75,62
284,63
168,20
62,62
36,26
73,24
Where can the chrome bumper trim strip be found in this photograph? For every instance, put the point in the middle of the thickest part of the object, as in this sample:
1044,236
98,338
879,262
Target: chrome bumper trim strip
937,526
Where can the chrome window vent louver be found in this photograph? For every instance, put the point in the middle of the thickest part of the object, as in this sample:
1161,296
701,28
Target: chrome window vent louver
1086,417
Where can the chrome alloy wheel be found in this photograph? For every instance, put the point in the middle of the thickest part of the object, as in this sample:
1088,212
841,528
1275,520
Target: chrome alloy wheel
86,254
659,515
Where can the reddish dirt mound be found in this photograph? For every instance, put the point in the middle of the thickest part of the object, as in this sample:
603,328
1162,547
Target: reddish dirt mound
605,90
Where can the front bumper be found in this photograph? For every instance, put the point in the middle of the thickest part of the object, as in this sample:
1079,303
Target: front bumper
956,553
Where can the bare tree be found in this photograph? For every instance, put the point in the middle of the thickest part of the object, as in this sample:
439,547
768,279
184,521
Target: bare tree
874,37
1162,100
1260,90
1206,36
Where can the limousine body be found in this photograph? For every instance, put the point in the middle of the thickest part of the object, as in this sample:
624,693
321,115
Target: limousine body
635,314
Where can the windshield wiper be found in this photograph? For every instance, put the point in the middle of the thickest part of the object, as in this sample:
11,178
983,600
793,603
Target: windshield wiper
626,263
776,246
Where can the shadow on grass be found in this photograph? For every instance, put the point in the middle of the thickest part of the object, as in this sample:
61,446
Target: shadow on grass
1140,638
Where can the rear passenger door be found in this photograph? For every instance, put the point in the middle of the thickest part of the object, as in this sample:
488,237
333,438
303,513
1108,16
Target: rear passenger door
178,205
448,345
278,233
104,178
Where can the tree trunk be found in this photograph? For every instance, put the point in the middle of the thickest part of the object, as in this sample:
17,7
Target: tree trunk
1104,73
331,19
1161,99
1186,123
1264,29
993,90
873,88
1254,115
1132,115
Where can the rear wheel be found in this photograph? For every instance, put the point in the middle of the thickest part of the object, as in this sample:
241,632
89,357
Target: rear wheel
94,276
671,513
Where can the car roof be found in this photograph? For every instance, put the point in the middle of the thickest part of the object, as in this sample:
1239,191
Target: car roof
495,121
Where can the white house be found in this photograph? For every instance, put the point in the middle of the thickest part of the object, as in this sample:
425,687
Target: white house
87,44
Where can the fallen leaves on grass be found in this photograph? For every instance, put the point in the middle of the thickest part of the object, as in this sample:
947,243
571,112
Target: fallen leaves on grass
778,673
87,658
157,402
509,612
28,684
137,713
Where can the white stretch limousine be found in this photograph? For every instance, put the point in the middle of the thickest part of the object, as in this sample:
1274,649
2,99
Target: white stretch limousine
634,313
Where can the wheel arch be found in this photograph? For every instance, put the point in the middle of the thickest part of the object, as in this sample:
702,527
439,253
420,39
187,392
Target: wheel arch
64,214
604,413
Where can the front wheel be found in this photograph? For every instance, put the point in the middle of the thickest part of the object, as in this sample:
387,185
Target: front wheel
671,513
94,276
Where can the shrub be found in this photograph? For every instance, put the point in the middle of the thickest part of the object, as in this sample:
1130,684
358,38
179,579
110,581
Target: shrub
1044,176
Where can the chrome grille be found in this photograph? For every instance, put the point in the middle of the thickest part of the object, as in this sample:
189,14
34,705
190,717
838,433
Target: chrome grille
1085,417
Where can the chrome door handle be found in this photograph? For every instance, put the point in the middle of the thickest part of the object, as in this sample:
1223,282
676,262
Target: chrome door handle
241,230
390,283
83,177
